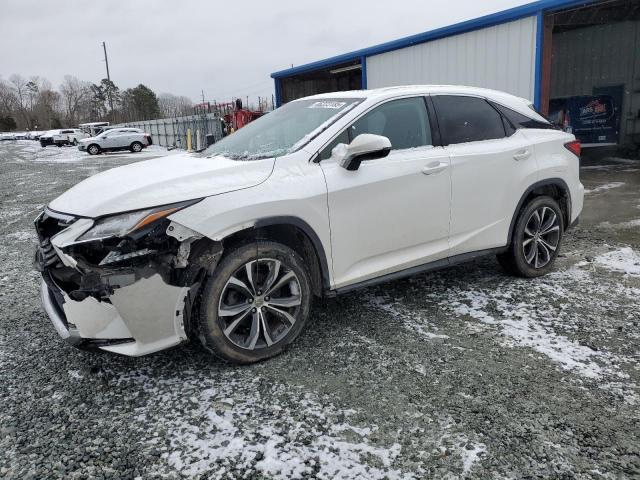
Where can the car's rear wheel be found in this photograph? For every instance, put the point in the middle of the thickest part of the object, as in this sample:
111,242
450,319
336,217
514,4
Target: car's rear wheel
93,149
136,147
255,303
536,239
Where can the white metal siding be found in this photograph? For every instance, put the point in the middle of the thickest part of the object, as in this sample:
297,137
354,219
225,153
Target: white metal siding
500,57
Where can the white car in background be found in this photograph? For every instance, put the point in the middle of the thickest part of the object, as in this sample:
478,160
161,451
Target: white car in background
114,139
7,136
322,196
60,137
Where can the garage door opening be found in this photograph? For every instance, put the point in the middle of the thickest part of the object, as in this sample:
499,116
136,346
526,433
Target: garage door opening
591,72
337,78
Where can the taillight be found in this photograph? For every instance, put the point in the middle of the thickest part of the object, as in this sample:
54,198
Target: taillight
574,147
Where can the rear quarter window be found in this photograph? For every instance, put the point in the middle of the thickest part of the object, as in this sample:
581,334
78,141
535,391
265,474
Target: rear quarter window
518,120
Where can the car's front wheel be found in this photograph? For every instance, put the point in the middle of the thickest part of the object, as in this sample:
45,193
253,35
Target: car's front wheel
255,303
93,149
136,147
536,239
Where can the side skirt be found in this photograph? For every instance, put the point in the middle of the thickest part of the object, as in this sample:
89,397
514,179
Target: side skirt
408,272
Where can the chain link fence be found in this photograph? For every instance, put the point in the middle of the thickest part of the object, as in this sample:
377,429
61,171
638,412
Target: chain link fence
172,132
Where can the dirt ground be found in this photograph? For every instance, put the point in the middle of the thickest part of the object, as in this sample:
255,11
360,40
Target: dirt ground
463,373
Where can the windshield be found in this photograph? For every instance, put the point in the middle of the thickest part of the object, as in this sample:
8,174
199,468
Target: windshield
284,130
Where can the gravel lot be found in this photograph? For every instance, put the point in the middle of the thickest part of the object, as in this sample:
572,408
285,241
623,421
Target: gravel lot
465,373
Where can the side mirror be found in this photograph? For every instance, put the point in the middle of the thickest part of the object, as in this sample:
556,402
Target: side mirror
364,147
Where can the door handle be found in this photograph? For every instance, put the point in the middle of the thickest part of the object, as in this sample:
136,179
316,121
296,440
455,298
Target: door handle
434,167
523,155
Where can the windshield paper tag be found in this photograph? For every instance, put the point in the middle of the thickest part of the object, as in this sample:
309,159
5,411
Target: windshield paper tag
334,105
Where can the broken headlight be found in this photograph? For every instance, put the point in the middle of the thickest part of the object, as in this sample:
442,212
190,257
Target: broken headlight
123,224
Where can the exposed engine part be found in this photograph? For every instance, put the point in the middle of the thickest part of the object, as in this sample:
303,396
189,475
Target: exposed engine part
179,255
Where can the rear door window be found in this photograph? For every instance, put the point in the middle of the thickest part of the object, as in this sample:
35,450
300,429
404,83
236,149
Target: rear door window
467,119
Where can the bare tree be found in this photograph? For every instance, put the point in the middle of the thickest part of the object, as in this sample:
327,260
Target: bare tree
19,83
174,106
8,99
75,96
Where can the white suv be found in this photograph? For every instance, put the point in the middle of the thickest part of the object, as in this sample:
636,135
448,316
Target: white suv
114,139
324,195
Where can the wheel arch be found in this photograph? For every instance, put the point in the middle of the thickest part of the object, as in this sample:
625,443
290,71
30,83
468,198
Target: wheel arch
556,188
295,233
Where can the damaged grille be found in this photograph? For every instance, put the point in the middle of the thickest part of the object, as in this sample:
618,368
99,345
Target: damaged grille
47,225
47,256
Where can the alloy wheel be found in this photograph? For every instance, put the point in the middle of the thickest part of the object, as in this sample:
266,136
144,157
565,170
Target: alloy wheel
259,304
541,237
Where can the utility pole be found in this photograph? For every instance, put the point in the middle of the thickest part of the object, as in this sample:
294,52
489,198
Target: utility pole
106,61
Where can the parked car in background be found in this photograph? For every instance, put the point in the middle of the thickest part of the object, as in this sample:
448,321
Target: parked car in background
20,135
7,136
34,134
115,139
93,129
322,196
67,136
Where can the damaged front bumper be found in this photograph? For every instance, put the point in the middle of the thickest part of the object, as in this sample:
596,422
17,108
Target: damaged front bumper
139,305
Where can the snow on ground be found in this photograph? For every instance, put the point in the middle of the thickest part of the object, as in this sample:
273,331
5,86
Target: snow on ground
410,319
23,236
635,223
541,314
70,154
257,434
624,260
603,188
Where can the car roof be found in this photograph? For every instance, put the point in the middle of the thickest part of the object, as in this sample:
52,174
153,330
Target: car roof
517,103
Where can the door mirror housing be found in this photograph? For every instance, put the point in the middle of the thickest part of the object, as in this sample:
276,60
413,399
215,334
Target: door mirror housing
365,146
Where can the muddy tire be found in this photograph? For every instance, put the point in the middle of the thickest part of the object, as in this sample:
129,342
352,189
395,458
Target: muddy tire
536,239
255,303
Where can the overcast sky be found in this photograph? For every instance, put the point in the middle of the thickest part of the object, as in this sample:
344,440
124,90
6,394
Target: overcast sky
224,48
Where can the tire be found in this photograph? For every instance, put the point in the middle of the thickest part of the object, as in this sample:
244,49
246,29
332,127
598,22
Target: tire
93,149
536,240
238,335
75,142
136,147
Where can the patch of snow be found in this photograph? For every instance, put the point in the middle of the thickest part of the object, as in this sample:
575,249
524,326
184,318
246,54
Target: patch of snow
23,236
604,188
261,432
624,260
520,326
470,456
412,320
75,374
72,154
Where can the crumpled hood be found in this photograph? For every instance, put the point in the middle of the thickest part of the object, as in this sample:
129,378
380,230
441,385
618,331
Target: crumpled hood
160,181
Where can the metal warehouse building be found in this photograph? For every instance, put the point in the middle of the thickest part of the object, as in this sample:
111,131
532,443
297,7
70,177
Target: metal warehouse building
543,51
